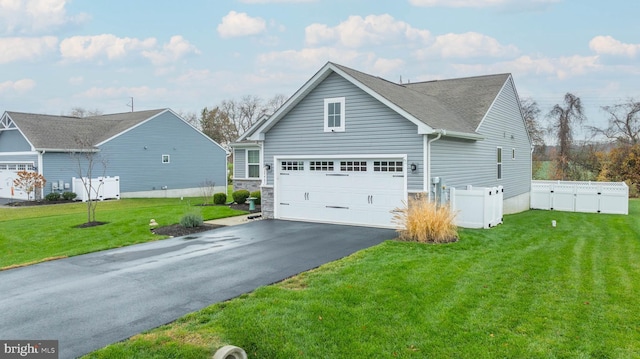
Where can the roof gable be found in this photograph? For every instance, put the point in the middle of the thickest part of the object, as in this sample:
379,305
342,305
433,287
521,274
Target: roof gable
62,133
454,107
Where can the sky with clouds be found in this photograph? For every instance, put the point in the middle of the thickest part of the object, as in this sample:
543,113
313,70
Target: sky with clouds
59,54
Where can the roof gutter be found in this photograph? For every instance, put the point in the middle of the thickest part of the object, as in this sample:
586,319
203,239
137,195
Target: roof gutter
68,149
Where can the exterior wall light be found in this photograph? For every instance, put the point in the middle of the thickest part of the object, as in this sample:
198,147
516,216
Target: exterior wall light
414,167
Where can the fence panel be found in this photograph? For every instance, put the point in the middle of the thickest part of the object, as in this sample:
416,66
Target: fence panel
101,188
589,197
477,207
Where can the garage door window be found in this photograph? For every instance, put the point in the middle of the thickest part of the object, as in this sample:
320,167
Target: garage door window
353,166
388,166
321,165
292,166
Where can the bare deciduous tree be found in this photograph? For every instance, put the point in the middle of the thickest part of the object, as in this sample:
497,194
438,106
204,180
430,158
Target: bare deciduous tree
216,124
562,121
82,112
86,157
624,123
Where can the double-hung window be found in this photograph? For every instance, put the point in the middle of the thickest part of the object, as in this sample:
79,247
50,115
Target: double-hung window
334,111
253,163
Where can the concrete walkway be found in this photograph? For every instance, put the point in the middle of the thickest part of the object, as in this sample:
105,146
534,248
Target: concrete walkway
89,301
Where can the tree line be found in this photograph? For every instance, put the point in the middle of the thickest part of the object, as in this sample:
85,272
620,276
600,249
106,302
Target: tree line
611,153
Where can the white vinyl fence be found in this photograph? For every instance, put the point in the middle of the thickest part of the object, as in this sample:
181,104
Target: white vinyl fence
477,207
101,188
590,197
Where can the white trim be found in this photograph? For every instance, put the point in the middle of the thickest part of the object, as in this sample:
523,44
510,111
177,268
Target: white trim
6,114
22,153
493,103
312,83
246,163
153,117
345,156
327,102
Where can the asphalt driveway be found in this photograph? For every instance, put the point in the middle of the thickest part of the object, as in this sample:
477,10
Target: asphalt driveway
89,301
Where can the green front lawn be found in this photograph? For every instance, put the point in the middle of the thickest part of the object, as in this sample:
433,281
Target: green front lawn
521,290
34,234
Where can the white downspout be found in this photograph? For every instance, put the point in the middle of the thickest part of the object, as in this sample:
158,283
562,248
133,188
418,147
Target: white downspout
427,180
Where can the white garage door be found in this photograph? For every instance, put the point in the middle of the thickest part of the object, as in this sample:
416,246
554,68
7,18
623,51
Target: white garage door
358,191
8,172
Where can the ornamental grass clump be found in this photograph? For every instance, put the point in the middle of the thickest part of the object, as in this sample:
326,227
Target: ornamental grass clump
191,220
426,222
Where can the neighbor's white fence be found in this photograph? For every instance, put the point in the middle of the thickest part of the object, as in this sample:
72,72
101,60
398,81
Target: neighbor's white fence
590,197
101,188
477,207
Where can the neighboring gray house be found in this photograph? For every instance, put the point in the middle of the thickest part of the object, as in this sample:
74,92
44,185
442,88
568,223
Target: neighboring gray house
349,147
155,153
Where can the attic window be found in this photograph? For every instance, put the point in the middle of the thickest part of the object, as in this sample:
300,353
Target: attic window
334,110
165,158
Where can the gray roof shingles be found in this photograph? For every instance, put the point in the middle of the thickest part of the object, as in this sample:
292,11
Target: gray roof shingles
69,133
454,105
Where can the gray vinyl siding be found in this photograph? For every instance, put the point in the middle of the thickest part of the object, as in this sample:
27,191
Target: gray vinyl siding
63,166
370,128
460,163
136,156
19,158
13,141
239,163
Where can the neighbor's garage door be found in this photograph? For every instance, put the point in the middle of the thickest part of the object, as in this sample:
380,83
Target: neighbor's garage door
8,172
349,191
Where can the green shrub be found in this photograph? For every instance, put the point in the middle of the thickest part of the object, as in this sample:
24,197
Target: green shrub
220,198
240,196
191,220
53,196
69,195
256,194
423,221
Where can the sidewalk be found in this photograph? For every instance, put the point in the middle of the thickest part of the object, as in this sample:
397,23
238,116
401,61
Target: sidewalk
232,221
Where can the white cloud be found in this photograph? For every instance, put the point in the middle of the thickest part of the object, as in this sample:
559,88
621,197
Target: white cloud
310,58
470,44
561,68
174,50
236,24
384,66
19,87
607,45
371,30
35,16
123,92
78,48
480,3
25,48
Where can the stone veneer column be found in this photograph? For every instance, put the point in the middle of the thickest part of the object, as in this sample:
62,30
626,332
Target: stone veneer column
266,200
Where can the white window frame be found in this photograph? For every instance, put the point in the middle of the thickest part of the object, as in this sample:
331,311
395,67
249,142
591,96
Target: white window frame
499,168
327,102
251,164
167,157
